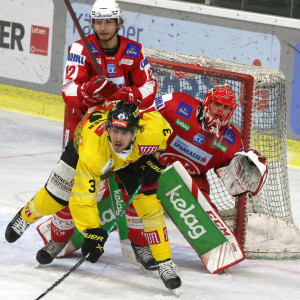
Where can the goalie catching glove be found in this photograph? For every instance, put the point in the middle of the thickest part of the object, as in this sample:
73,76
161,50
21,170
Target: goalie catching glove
246,173
150,170
94,92
94,240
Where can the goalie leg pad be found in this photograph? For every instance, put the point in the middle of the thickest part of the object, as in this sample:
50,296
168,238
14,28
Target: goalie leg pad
197,220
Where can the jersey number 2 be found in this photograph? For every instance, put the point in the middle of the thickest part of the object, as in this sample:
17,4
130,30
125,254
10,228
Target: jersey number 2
69,72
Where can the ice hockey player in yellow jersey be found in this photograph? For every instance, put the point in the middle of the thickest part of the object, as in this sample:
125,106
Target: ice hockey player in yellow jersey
105,141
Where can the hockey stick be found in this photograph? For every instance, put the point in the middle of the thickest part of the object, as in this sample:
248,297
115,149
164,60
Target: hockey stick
85,257
83,38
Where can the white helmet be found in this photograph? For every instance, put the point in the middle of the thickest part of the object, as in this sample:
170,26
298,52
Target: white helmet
106,9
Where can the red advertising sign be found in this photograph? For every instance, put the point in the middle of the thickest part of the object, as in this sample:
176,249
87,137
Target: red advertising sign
39,40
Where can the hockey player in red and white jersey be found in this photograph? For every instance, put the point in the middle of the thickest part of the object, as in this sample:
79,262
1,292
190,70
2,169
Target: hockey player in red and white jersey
127,76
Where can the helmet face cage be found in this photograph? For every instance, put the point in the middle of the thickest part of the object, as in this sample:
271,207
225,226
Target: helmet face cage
124,116
106,9
219,96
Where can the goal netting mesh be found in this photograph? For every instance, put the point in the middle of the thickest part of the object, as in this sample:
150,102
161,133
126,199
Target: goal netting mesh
269,227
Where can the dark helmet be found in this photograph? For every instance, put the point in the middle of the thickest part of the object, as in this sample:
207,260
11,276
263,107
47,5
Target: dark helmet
124,115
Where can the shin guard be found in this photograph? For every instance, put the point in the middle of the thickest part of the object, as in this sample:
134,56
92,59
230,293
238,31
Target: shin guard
62,226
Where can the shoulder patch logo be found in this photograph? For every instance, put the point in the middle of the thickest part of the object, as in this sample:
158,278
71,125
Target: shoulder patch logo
184,110
76,58
229,136
94,49
132,50
100,129
159,103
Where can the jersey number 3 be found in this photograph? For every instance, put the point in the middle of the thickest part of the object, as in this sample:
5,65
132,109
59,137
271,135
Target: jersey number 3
93,186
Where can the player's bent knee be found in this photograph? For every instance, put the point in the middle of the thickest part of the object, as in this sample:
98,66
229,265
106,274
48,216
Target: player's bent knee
60,182
145,205
44,204
154,220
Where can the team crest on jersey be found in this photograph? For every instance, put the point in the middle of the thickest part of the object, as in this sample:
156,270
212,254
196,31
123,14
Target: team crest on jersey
132,50
198,139
159,103
146,150
184,110
229,136
124,61
190,151
94,49
111,70
76,58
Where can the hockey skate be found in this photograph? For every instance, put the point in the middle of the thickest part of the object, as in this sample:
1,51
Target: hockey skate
16,228
145,259
167,274
46,255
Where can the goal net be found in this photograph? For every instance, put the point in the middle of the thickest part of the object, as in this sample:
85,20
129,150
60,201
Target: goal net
263,223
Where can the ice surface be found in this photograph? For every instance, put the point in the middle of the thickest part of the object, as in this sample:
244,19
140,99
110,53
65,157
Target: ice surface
29,149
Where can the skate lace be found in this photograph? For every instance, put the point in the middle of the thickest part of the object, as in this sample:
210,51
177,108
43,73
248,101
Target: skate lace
54,248
166,270
144,253
19,226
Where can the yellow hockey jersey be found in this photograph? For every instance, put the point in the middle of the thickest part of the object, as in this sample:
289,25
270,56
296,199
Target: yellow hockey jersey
97,158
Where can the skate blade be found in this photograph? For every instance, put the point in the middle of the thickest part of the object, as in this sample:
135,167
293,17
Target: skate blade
174,292
37,265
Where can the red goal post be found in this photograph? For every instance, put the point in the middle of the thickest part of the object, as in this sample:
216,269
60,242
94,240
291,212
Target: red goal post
264,223
247,82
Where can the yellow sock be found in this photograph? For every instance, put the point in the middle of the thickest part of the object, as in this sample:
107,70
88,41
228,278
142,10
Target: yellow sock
42,204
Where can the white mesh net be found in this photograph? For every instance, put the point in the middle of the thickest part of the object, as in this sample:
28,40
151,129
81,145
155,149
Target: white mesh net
267,136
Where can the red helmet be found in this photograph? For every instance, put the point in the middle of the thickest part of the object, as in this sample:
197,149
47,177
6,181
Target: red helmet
222,98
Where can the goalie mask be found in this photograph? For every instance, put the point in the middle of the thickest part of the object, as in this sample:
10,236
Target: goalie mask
106,9
217,108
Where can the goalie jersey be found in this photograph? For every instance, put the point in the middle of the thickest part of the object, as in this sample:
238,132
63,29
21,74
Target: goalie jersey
197,149
97,158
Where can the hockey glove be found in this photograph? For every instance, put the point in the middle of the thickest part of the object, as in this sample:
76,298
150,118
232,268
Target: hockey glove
128,94
129,178
93,92
150,170
94,240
